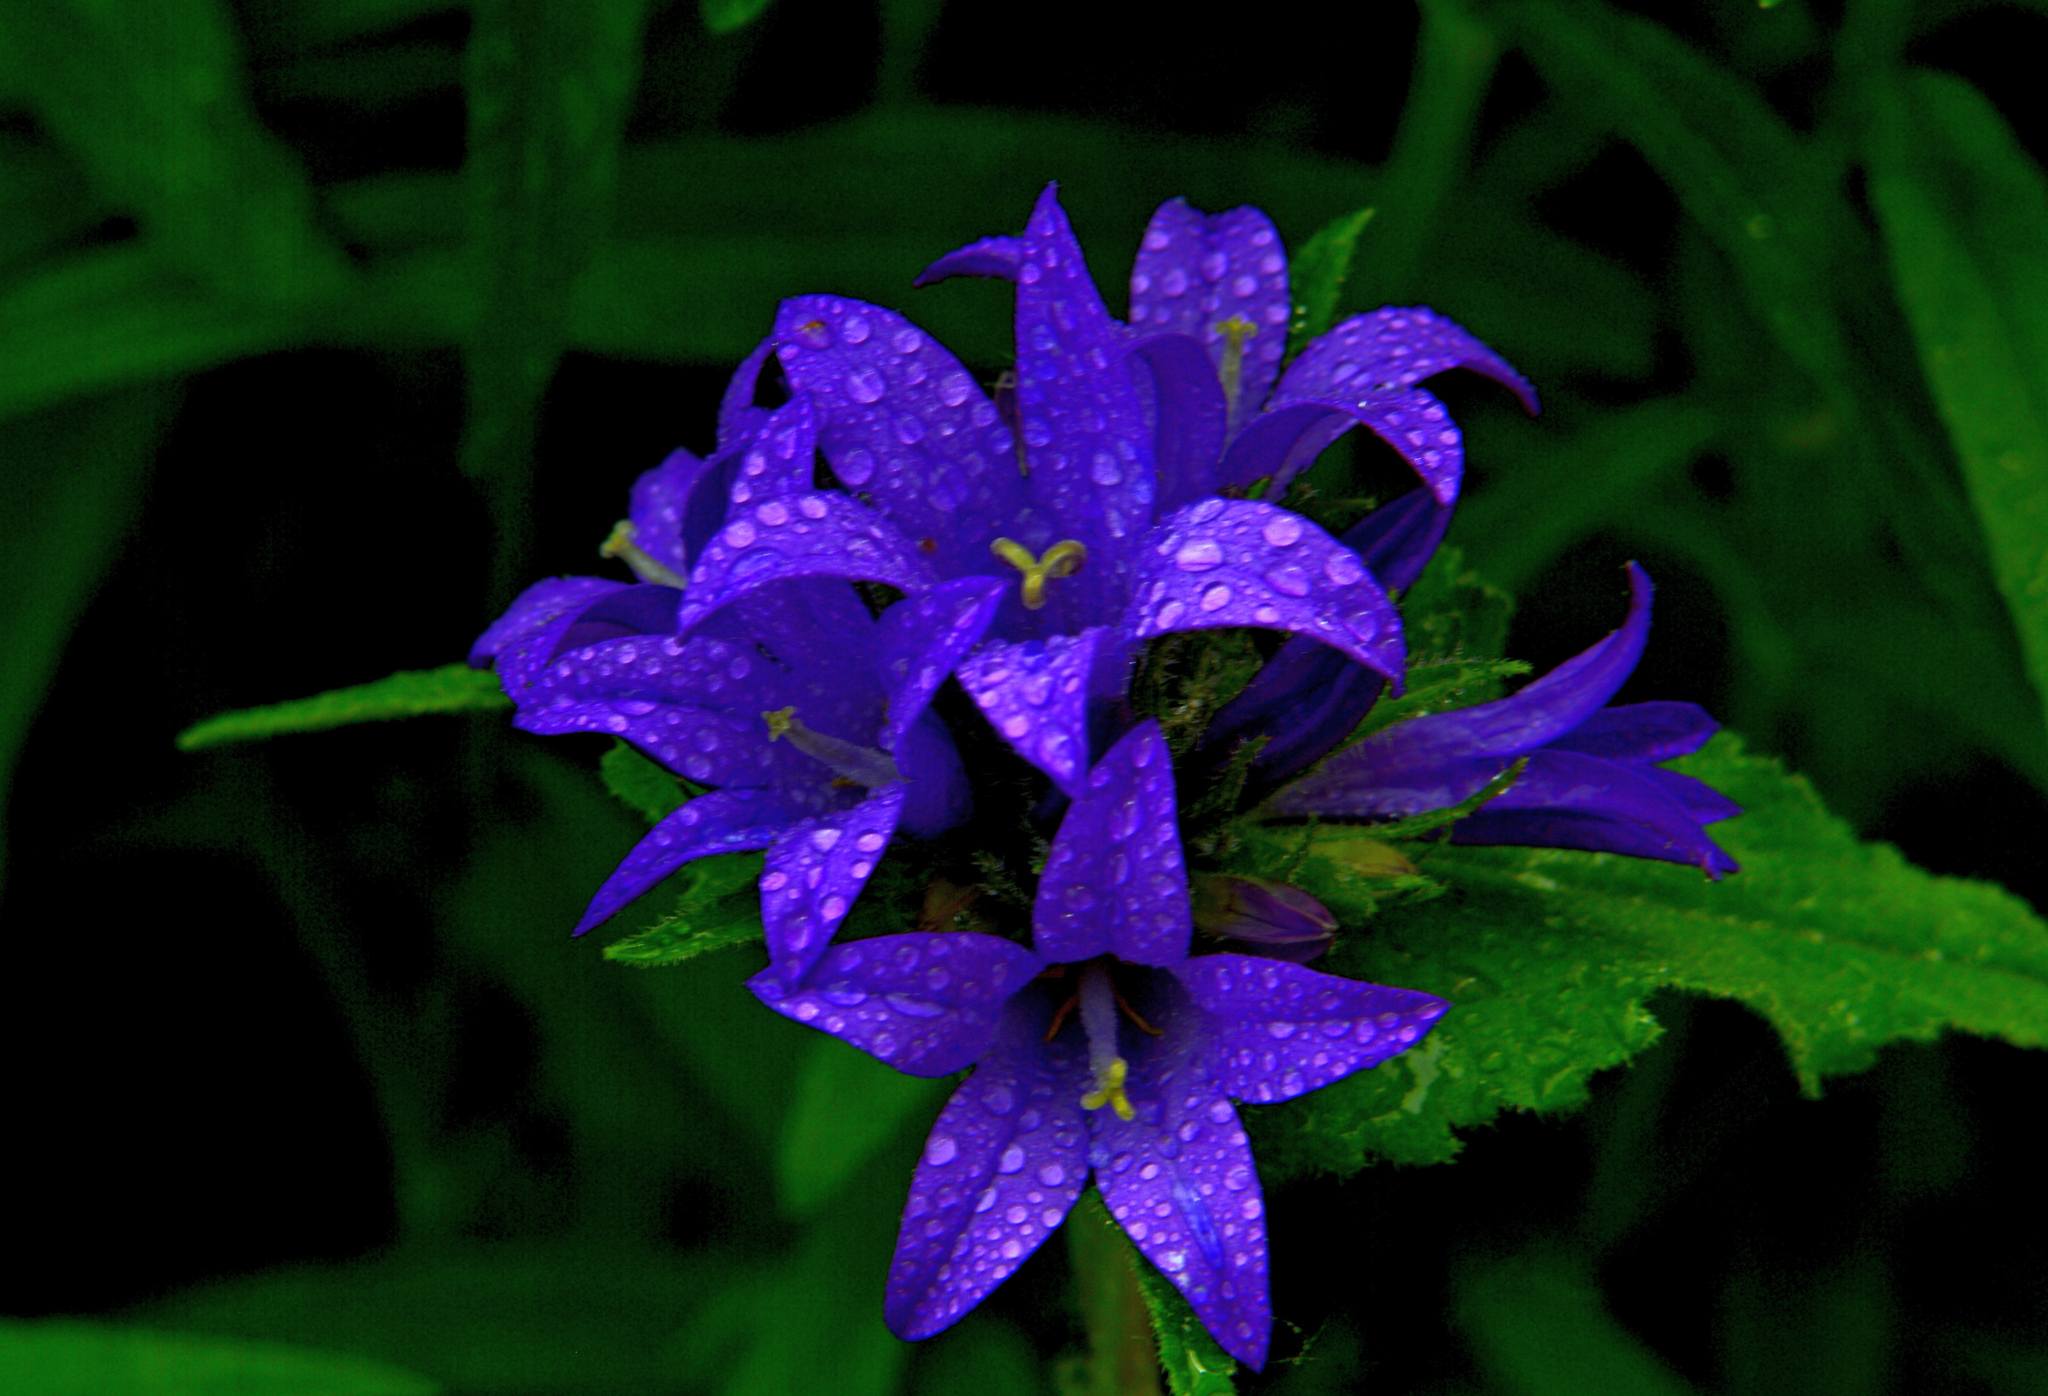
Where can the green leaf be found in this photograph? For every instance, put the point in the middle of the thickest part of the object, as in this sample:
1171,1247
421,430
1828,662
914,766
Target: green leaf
725,16
452,688
1564,488
1549,955
717,909
1964,213
1538,1327
1194,1364
549,87
1455,59
847,1105
642,785
1744,176
60,1358
535,1318
74,487
1316,275
152,101
774,1327
1453,612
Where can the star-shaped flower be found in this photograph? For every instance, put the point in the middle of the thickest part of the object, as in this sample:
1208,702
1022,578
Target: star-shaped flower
1103,1051
1593,779
807,714
1069,503
1210,309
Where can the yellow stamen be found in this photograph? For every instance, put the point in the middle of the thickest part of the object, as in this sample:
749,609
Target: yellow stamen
1235,331
1109,1090
1062,559
779,721
624,545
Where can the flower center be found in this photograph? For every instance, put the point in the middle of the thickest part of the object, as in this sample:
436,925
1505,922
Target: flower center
1062,559
1235,331
624,545
1098,1021
863,765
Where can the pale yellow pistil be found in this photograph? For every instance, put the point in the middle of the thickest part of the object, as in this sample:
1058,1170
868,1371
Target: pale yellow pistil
1062,559
624,545
1235,331
849,761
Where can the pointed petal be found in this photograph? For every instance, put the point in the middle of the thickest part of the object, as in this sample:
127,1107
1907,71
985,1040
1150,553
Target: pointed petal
525,635
1242,562
922,638
998,256
778,459
1282,1030
1395,347
666,500
1436,757
936,796
1701,801
927,1004
1398,539
1001,1169
816,627
1307,698
1286,438
1374,781
1039,693
1655,731
1078,406
806,535
1188,416
738,417
725,821
1180,1179
1196,270
1115,882
711,748
814,872
681,503
1566,800
903,421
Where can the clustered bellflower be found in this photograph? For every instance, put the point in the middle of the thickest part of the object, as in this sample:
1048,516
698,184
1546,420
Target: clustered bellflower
1034,539
1102,1051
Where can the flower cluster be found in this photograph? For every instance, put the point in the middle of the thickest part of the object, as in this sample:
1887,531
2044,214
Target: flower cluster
789,646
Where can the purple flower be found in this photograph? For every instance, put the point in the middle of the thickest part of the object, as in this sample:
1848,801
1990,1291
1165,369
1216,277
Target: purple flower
1263,916
809,716
1103,1051
1070,493
1306,699
1209,317
1593,779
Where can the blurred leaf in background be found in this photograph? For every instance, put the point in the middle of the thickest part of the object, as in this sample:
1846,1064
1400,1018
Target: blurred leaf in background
273,273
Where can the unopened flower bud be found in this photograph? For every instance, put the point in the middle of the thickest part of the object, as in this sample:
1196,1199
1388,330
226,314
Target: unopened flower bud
1269,918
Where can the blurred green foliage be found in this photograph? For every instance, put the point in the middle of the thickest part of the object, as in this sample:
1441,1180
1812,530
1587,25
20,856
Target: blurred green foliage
1781,286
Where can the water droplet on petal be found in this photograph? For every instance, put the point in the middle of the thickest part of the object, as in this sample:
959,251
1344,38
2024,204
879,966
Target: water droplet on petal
1283,531
1198,555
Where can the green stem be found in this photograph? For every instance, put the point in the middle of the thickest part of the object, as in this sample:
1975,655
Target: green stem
1121,1358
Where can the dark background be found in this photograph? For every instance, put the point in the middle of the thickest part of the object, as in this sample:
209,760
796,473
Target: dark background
301,1049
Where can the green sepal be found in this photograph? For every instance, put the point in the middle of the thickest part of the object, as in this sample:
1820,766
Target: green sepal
718,909
1193,1363
643,785
452,688
1316,275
